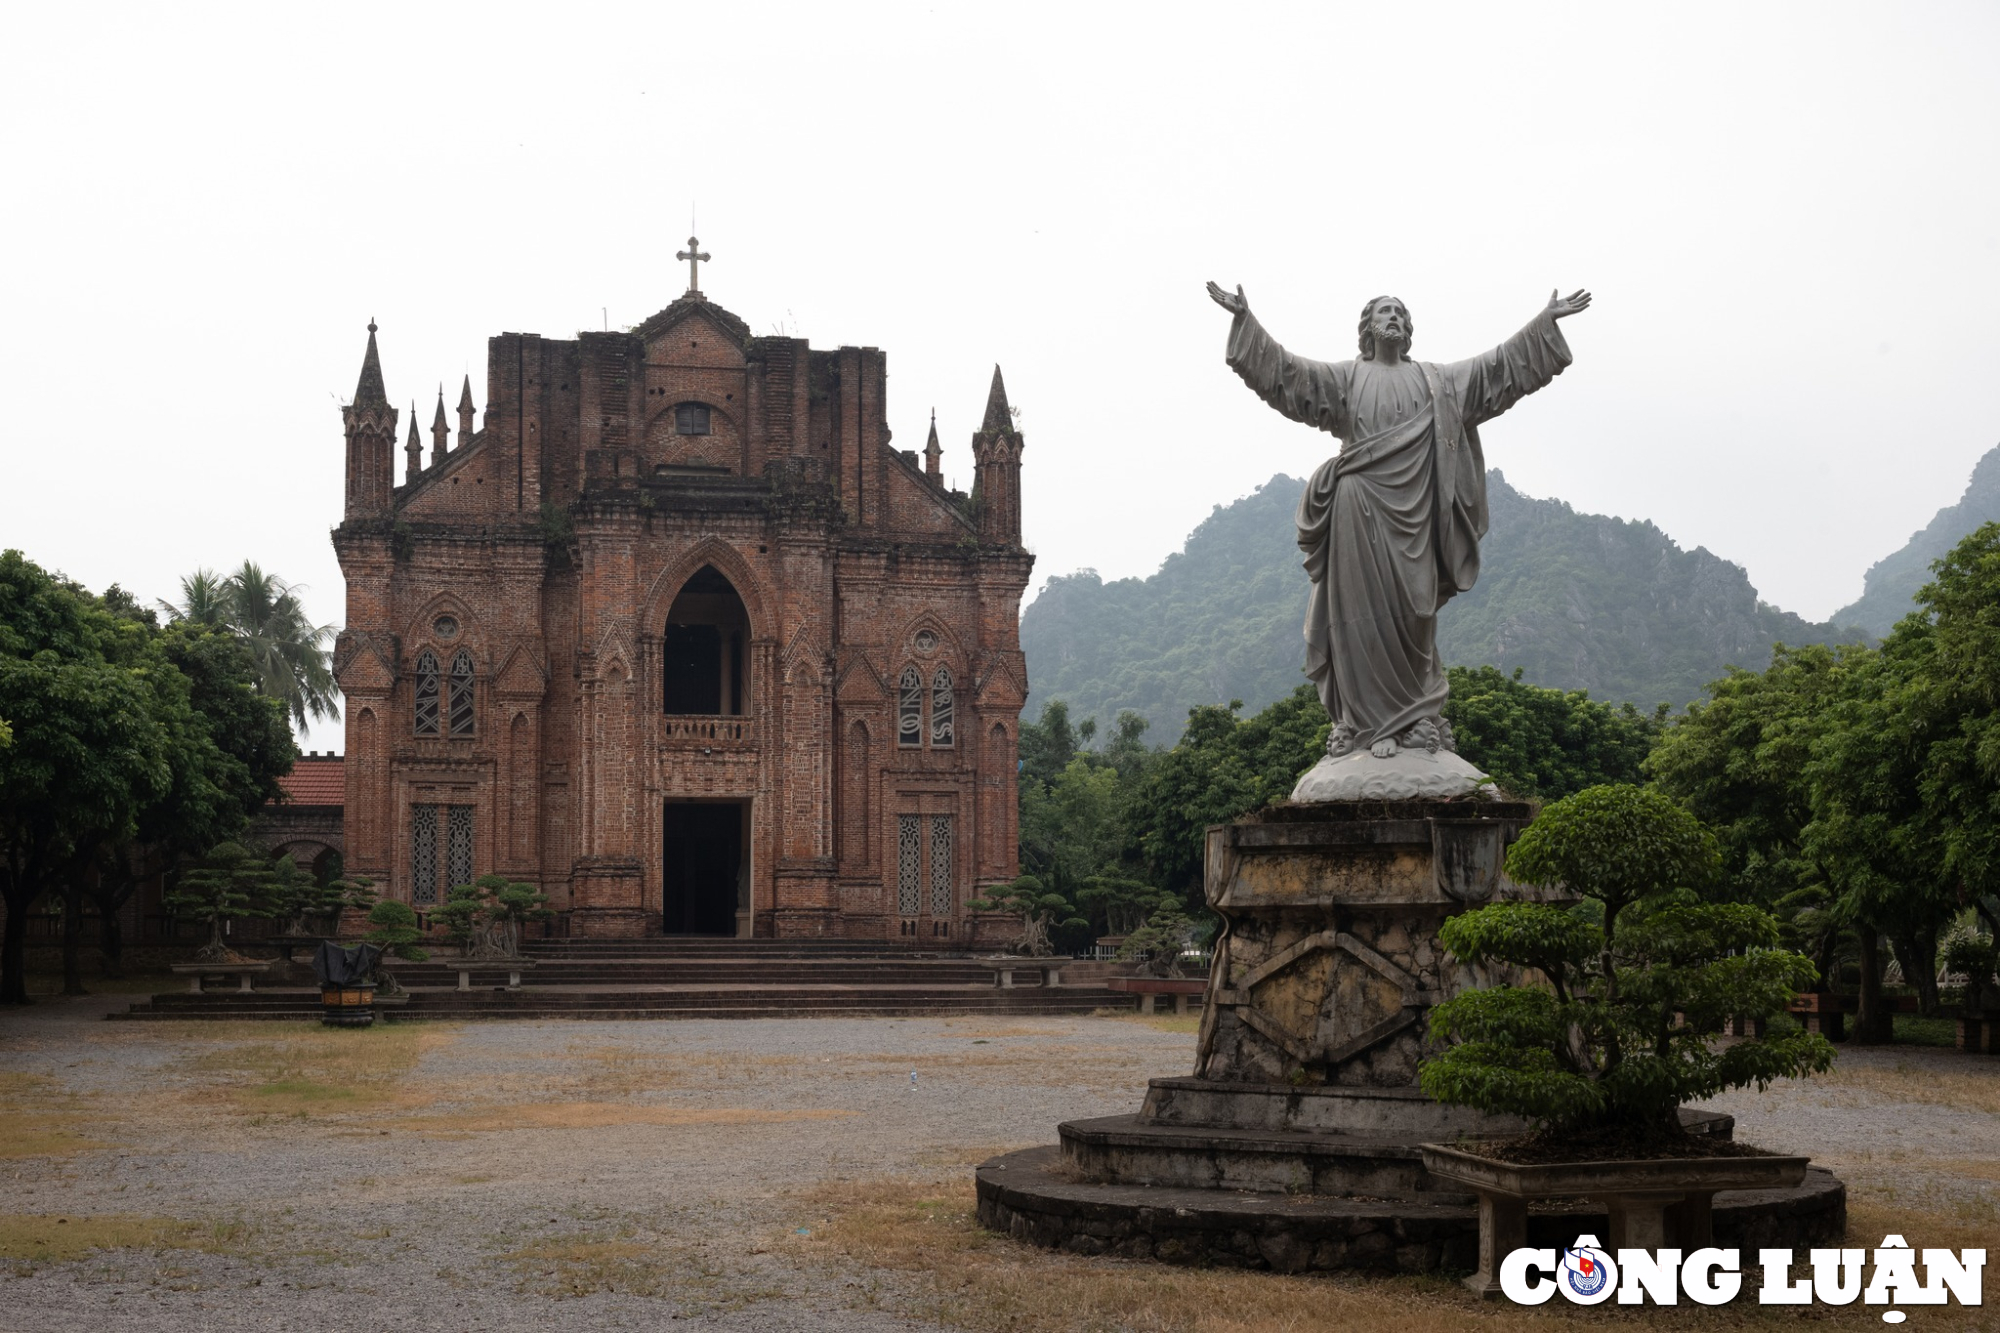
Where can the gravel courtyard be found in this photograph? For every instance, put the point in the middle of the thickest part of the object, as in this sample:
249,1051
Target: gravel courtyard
781,1174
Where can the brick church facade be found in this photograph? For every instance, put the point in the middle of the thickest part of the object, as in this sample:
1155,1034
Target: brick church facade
678,637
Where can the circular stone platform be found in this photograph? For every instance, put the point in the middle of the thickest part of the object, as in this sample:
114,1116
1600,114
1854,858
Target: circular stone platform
1033,1196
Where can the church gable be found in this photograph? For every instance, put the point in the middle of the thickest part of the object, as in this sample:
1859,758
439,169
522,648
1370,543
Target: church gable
457,486
918,506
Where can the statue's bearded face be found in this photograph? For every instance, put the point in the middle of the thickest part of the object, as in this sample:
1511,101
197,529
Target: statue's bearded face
1385,320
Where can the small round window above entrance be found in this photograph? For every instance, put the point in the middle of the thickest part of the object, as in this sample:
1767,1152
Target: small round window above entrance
691,419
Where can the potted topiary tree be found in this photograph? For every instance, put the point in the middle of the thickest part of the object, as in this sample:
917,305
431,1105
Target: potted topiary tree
394,932
1039,912
1617,1027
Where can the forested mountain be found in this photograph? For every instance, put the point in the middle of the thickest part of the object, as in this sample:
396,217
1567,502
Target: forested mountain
1579,601
1894,579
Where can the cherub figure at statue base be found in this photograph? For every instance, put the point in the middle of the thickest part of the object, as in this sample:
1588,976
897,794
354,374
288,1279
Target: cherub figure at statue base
1420,764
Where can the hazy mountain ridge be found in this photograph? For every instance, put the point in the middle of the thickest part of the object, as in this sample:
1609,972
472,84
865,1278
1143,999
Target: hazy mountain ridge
1891,583
1579,601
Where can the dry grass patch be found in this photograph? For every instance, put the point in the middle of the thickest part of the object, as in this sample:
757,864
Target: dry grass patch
634,1265
1976,1089
972,1279
51,1238
40,1118
600,1115
1189,1024
306,1070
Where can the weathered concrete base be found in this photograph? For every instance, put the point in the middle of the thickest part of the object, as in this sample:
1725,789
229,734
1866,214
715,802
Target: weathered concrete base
1032,1196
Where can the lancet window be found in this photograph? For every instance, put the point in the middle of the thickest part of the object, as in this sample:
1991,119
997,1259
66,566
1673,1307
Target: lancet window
941,709
429,682
909,864
941,885
910,709
459,710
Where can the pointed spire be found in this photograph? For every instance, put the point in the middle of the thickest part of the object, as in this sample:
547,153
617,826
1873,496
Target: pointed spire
438,428
998,417
464,394
369,392
933,451
465,410
415,448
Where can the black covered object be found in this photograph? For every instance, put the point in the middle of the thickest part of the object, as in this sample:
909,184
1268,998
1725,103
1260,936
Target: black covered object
336,966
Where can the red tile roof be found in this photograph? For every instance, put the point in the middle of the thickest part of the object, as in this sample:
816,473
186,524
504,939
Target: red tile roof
315,782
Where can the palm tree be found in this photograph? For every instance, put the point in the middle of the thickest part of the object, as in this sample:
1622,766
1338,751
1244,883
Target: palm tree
204,600
288,650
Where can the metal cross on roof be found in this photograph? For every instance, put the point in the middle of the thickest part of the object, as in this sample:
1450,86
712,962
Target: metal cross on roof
694,255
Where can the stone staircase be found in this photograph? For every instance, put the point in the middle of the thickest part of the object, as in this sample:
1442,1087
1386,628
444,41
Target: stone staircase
672,978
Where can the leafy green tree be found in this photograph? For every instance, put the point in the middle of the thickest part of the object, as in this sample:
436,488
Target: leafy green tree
224,746
1623,1032
1224,766
88,750
1047,746
1870,834
1039,910
230,883
1542,744
1120,904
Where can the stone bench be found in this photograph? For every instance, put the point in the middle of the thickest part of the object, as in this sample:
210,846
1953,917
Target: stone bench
243,972
1007,971
1150,989
512,967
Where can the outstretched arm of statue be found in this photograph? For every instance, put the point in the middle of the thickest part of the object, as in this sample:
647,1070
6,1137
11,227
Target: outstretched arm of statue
1491,383
1236,304
1308,391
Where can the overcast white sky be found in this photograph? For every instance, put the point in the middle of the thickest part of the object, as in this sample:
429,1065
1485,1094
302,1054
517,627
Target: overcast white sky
1788,214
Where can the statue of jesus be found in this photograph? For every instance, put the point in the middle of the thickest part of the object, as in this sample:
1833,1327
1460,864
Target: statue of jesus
1390,528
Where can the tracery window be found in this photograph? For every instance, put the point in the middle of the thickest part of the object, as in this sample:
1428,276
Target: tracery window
427,693
941,886
423,855
941,719
460,710
440,840
909,864
910,709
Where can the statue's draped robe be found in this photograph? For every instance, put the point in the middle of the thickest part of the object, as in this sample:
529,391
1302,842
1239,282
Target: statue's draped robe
1391,526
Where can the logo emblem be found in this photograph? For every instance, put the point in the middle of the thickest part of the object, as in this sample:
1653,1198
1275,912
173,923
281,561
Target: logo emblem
1587,1271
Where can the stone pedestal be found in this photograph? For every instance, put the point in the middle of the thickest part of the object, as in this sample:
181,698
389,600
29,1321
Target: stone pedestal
1297,1143
1329,961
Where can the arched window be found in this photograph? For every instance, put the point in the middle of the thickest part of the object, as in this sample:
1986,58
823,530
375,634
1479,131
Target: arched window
427,693
460,709
910,709
703,666
941,721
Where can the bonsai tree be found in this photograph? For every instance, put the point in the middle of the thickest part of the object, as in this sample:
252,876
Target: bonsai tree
1038,909
231,881
1157,945
507,906
396,934
485,917
1636,981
